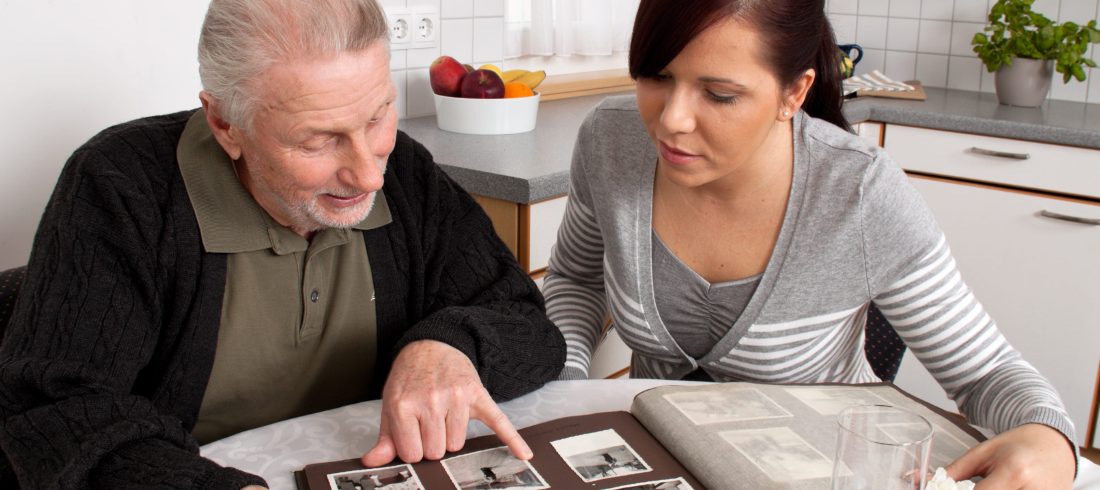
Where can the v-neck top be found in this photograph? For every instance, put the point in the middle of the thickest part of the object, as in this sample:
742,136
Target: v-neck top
696,312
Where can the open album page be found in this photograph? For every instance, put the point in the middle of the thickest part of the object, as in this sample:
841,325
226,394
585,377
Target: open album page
604,451
775,436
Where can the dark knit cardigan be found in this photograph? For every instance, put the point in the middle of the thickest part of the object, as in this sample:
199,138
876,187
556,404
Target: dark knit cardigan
111,345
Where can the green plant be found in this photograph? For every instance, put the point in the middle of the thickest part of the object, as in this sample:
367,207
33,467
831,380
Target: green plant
1015,31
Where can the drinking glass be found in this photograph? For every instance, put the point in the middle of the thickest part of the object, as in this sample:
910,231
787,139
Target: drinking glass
881,447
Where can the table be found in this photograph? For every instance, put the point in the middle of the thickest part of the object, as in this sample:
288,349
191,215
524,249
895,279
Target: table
277,450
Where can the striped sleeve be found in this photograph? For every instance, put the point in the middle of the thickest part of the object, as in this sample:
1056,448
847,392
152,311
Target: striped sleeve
918,288
574,284
948,330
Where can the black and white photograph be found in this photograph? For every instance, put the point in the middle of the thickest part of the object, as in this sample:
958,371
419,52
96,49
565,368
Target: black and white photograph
670,484
494,468
599,455
712,407
399,477
780,453
830,400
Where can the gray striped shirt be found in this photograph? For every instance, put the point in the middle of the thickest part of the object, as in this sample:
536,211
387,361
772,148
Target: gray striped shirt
854,232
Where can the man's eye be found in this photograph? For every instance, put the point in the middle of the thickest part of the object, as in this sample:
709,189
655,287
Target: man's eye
318,145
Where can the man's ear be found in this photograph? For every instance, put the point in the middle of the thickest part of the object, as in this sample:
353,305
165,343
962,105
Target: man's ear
796,93
228,136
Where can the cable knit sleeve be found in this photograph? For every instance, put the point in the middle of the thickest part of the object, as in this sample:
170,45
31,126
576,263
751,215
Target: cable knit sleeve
90,317
472,293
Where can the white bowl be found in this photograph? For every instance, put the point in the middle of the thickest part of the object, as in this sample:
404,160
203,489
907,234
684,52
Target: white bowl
486,116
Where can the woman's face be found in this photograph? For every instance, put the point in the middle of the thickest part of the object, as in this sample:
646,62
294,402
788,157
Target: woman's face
715,110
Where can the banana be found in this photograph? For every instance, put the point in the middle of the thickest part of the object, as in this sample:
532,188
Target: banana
492,68
512,75
532,79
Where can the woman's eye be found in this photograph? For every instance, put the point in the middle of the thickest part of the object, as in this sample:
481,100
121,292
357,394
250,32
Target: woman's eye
722,99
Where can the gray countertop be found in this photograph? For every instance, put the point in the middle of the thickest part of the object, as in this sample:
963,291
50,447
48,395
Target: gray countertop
534,166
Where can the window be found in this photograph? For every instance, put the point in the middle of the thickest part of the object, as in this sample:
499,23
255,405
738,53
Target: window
569,35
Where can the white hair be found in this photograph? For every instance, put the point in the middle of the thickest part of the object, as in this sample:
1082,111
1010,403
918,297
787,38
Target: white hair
241,39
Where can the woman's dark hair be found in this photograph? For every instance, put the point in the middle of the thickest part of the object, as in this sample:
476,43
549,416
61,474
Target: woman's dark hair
796,36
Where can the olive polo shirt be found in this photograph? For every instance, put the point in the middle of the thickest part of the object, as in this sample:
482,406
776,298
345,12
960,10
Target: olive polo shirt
296,335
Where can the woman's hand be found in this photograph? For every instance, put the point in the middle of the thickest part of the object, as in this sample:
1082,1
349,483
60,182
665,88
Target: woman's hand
1032,456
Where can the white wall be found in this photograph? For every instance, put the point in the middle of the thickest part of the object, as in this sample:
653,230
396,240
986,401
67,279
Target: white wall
69,68
929,40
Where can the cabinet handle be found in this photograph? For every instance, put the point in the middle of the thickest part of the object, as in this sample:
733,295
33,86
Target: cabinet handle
1066,217
1001,154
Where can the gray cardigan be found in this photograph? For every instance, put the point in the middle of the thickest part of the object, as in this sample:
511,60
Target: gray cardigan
854,232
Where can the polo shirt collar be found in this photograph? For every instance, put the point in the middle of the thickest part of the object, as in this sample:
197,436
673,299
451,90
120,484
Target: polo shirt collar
230,220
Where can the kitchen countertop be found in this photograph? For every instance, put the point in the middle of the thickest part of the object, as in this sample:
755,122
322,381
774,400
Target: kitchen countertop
533,166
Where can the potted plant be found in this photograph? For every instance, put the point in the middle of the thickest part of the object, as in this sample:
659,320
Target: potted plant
1020,46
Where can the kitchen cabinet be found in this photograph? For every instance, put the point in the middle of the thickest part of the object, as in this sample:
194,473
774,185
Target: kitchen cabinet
529,230
1092,438
1038,277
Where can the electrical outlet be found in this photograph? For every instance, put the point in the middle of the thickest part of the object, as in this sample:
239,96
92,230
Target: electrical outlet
401,27
425,27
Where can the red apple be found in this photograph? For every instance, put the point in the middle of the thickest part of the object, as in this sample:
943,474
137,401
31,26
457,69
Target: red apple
445,75
482,84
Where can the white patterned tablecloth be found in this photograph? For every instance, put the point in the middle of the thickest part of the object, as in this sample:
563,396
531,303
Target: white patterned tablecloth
277,450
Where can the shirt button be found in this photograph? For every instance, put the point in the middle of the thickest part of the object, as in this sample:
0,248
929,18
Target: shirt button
314,295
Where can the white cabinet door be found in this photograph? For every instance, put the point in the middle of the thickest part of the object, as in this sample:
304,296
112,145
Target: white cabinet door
611,359
545,219
1039,279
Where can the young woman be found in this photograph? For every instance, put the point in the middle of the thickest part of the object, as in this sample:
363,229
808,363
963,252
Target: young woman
734,230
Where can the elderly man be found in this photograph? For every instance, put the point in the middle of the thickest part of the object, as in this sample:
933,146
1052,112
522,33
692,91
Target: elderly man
281,251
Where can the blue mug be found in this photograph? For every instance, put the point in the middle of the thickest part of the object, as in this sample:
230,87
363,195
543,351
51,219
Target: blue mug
847,61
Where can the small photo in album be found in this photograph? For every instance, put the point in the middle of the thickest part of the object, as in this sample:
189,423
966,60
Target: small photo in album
491,469
780,453
599,455
712,407
830,400
670,484
398,477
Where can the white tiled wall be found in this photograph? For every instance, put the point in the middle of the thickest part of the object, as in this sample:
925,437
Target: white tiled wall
926,40
471,31
929,40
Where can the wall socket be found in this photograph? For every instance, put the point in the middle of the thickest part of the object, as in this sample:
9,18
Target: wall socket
401,27
425,27
413,28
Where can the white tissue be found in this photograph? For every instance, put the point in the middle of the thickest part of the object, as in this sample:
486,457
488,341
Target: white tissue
940,481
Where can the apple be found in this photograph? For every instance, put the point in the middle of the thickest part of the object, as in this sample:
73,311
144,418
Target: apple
445,75
482,84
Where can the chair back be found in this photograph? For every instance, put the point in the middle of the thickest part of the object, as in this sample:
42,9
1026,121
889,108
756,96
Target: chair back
10,282
882,345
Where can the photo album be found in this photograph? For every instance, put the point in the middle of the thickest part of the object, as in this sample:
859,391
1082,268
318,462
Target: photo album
676,437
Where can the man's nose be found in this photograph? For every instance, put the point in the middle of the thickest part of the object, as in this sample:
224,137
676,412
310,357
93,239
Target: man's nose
364,168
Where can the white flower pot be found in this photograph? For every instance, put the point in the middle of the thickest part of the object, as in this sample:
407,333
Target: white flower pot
1024,83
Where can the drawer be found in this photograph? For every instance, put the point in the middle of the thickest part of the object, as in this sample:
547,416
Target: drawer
870,131
1047,167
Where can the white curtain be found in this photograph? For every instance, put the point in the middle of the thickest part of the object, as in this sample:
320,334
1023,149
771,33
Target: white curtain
568,27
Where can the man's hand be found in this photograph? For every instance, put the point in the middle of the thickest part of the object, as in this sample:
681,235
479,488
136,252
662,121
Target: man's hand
1031,456
431,394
